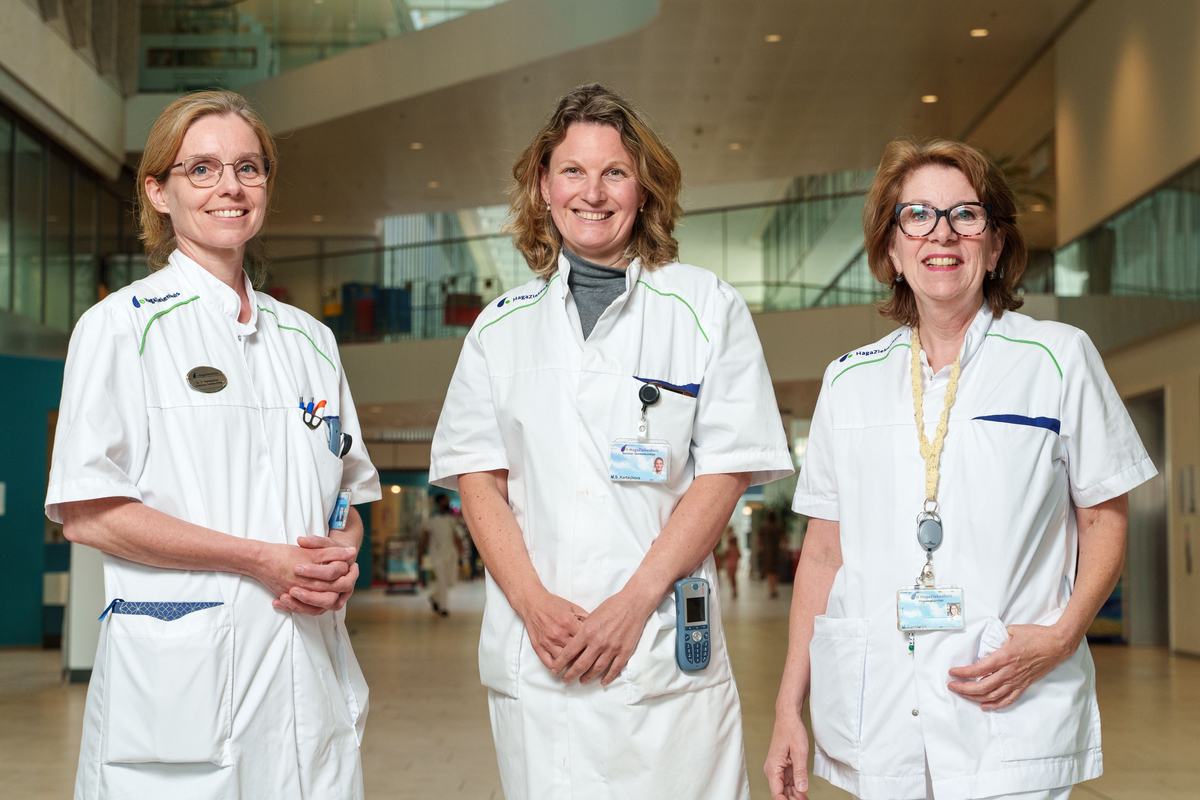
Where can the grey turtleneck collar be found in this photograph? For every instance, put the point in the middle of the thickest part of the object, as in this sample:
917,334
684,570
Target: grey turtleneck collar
593,288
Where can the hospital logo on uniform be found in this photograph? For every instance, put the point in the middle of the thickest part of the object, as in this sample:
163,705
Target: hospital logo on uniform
138,303
506,300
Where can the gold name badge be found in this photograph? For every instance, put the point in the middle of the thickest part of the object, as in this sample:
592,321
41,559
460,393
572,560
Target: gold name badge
207,379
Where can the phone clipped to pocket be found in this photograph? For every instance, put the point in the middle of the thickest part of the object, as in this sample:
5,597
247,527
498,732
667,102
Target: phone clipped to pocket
691,624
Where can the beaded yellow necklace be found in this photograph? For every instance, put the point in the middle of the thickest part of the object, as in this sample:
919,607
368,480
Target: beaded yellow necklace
931,451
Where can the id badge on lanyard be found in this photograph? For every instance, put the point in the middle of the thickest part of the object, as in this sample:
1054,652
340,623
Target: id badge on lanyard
641,460
926,606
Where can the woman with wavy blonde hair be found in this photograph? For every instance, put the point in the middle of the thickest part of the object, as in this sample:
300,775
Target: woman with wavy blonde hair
601,425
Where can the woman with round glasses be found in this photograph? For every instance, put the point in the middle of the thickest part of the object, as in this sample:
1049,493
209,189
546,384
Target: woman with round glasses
966,479
223,669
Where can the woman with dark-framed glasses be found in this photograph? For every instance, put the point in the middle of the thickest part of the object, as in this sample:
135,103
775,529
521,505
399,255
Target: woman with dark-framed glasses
223,669
966,480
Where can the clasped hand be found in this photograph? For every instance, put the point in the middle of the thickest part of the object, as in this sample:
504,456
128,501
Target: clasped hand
582,646
314,576
1028,655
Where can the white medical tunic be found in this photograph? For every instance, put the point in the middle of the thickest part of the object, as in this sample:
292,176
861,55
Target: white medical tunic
1037,429
531,396
237,699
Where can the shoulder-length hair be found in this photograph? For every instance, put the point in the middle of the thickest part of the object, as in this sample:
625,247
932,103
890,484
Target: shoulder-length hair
900,159
533,229
166,137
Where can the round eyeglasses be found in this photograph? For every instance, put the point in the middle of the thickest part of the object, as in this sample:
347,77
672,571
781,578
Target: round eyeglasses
205,171
965,219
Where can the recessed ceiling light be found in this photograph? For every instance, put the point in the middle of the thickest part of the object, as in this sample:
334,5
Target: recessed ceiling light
979,33
395,490
1037,207
929,98
774,37
432,184
416,145
318,218
735,145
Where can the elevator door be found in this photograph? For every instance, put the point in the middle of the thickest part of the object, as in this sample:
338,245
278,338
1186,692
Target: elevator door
1145,621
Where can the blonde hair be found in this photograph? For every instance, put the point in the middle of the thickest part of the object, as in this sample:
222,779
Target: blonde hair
657,171
166,137
900,159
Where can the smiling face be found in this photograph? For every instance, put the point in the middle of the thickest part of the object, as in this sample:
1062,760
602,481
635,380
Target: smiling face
593,193
213,222
945,270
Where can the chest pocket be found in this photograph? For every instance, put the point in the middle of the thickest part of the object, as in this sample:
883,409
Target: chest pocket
670,419
312,445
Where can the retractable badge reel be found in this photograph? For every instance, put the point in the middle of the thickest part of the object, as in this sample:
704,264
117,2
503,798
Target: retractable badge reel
641,460
927,607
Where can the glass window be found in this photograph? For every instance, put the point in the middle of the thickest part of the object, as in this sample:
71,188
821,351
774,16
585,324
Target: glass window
28,205
58,243
6,135
86,274
116,269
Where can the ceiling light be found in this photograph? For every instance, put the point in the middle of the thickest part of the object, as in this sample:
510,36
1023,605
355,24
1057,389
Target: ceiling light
735,145
979,33
395,490
416,145
318,218
747,510
929,98
432,184
774,37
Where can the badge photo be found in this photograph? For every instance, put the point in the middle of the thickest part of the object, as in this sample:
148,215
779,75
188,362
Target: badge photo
644,461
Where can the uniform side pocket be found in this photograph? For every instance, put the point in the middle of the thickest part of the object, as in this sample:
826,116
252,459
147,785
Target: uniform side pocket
168,689
838,657
500,643
1055,717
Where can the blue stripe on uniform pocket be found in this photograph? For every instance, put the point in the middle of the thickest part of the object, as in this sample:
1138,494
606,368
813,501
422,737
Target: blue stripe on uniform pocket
1049,423
690,389
166,611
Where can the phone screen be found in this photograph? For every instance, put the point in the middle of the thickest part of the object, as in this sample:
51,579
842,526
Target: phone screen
695,610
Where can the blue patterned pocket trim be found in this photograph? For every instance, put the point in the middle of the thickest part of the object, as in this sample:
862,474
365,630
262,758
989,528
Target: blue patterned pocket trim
166,611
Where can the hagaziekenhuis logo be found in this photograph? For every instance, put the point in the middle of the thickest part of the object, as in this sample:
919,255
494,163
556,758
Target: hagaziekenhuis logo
139,302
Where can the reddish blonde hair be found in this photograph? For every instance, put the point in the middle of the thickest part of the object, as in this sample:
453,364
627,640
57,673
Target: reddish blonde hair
533,229
900,159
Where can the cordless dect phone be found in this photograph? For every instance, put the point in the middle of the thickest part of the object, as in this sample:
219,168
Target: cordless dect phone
691,624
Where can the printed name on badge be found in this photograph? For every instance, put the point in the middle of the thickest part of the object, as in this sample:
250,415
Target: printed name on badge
207,379
640,461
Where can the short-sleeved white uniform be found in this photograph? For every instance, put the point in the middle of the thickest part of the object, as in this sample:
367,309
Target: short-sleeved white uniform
1036,430
532,397
236,700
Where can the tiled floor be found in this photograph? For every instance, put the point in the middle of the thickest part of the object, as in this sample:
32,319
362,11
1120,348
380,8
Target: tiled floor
428,736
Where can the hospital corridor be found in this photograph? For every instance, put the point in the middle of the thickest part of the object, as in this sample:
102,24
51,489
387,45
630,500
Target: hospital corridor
618,400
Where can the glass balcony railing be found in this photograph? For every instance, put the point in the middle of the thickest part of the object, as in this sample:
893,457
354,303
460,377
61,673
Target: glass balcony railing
198,44
1151,249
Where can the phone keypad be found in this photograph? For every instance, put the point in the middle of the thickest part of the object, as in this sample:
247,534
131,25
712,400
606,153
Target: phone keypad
696,647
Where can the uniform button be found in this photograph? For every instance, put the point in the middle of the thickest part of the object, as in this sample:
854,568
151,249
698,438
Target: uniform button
915,712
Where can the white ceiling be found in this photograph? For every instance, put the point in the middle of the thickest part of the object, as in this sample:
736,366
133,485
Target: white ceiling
846,77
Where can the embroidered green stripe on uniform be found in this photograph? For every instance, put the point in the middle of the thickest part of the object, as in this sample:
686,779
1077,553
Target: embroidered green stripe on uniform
302,333
149,322
680,299
872,361
1036,344
545,291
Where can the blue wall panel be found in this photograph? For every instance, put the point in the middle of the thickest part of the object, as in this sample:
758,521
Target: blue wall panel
32,388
